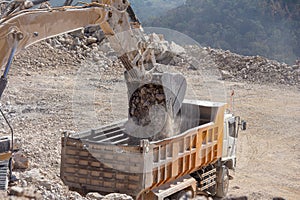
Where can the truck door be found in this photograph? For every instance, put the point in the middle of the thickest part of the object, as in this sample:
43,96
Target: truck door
230,139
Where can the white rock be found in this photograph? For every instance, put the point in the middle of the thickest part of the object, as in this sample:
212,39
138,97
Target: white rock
116,196
94,196
154,37
32,175
91,40
16,191
176,49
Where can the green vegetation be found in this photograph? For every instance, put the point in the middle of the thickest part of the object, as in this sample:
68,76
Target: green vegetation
270,28
145,9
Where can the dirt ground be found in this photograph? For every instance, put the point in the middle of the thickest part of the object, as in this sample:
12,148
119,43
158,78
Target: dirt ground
43,102
268,152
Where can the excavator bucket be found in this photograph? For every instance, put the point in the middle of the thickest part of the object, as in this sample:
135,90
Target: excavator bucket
154,104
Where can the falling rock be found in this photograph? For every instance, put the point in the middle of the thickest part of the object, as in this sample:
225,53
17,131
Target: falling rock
91,40
92,29
76,42
61,40
94,196
96,58
99,35
105,47
31,193
68,41
78,33
16,191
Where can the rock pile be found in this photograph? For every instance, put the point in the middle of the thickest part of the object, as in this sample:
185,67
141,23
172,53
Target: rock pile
90,43
141,101
254,69
85,44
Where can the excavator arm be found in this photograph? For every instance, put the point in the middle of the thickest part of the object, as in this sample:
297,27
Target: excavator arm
21,29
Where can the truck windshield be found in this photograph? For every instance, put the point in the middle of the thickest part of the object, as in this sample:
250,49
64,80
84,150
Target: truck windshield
232,129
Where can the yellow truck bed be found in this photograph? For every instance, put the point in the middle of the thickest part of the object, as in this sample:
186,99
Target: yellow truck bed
101,160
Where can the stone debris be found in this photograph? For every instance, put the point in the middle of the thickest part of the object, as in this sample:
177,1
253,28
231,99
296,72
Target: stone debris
91,43
203,198
61,57
255,69
142,100
16,191
116,196
94,196
20,161
32,193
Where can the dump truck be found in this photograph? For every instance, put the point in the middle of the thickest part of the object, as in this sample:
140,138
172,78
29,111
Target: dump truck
195,161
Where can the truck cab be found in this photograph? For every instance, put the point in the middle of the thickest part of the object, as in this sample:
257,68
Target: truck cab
230,136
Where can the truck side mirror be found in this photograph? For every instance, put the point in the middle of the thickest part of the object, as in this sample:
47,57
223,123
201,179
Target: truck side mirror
243,125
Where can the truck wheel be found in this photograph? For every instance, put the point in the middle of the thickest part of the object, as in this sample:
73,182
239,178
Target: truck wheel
223,182
183,195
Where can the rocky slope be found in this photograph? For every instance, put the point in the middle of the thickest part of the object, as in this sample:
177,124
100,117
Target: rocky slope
88,44
256,69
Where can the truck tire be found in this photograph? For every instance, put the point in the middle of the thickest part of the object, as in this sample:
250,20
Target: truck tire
181,195
222,182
